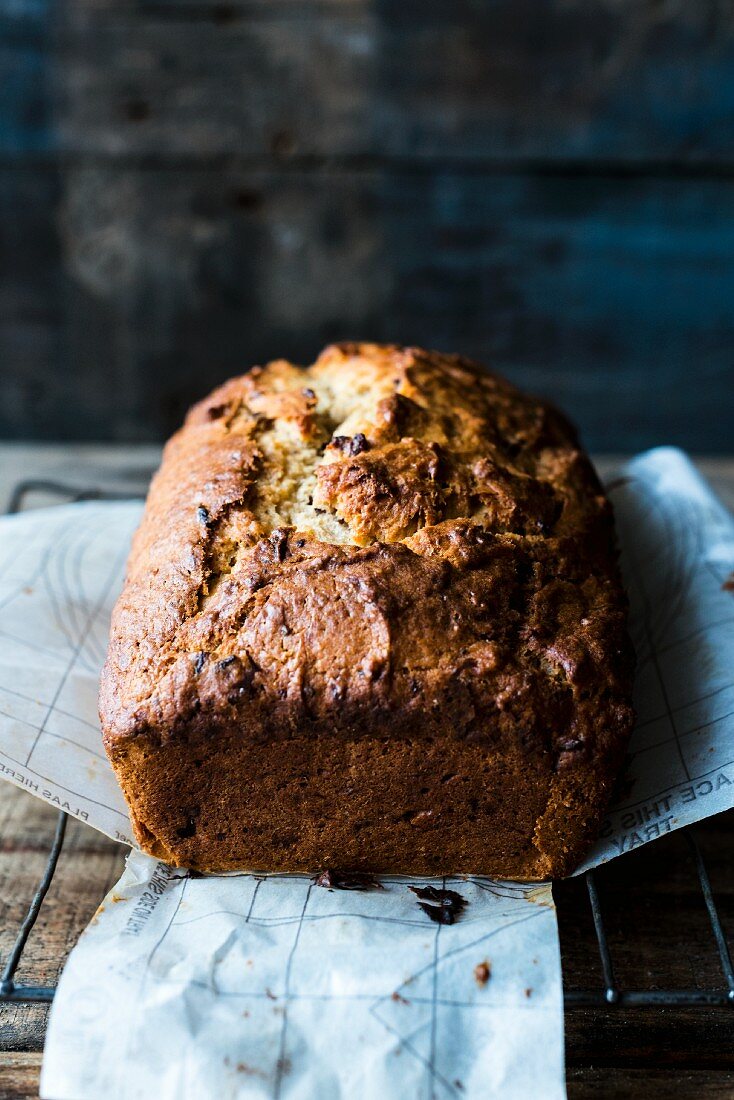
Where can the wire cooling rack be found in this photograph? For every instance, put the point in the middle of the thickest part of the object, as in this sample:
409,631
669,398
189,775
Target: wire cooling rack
609,993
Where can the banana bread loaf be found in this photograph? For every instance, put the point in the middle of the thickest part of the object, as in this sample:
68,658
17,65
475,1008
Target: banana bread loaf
373,621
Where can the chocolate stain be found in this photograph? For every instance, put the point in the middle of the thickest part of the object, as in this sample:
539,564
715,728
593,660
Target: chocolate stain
441,906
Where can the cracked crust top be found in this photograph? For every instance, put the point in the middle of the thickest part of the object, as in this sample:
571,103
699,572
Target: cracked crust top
388,540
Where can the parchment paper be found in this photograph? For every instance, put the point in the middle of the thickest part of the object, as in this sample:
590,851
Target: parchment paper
251,986
677,545
275,987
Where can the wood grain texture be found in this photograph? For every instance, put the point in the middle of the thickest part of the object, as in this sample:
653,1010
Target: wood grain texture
121,469
188,186
612,1083
490,82
88,867
660,939
611,296
19,1075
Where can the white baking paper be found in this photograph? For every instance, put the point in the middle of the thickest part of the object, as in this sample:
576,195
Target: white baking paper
61,570
251,986
677,545
254,986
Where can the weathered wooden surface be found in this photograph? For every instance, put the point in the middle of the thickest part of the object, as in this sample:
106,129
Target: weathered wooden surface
492,82
399,80
19,1074
613,1083
612,296
117,469
88,867
19,1081
660,939
190,186
656,920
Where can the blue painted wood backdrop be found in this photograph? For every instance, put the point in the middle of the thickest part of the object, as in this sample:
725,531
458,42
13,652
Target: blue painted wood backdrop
190,186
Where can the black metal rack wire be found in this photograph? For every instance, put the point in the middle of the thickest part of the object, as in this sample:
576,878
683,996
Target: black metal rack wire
609,993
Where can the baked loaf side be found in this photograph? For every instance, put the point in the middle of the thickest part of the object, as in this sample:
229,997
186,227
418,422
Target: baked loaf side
372,620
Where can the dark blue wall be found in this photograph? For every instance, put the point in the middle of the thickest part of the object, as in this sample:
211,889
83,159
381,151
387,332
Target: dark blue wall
189,186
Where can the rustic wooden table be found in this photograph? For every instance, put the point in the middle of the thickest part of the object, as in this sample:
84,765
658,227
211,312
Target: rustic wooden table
656,920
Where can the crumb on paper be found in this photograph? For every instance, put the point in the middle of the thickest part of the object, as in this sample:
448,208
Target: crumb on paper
270,995
728,585
398,998
528,992
97,914
540,895
250,1071
483,972
346,880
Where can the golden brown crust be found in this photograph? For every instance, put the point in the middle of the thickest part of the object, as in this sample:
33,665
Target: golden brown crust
372,619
